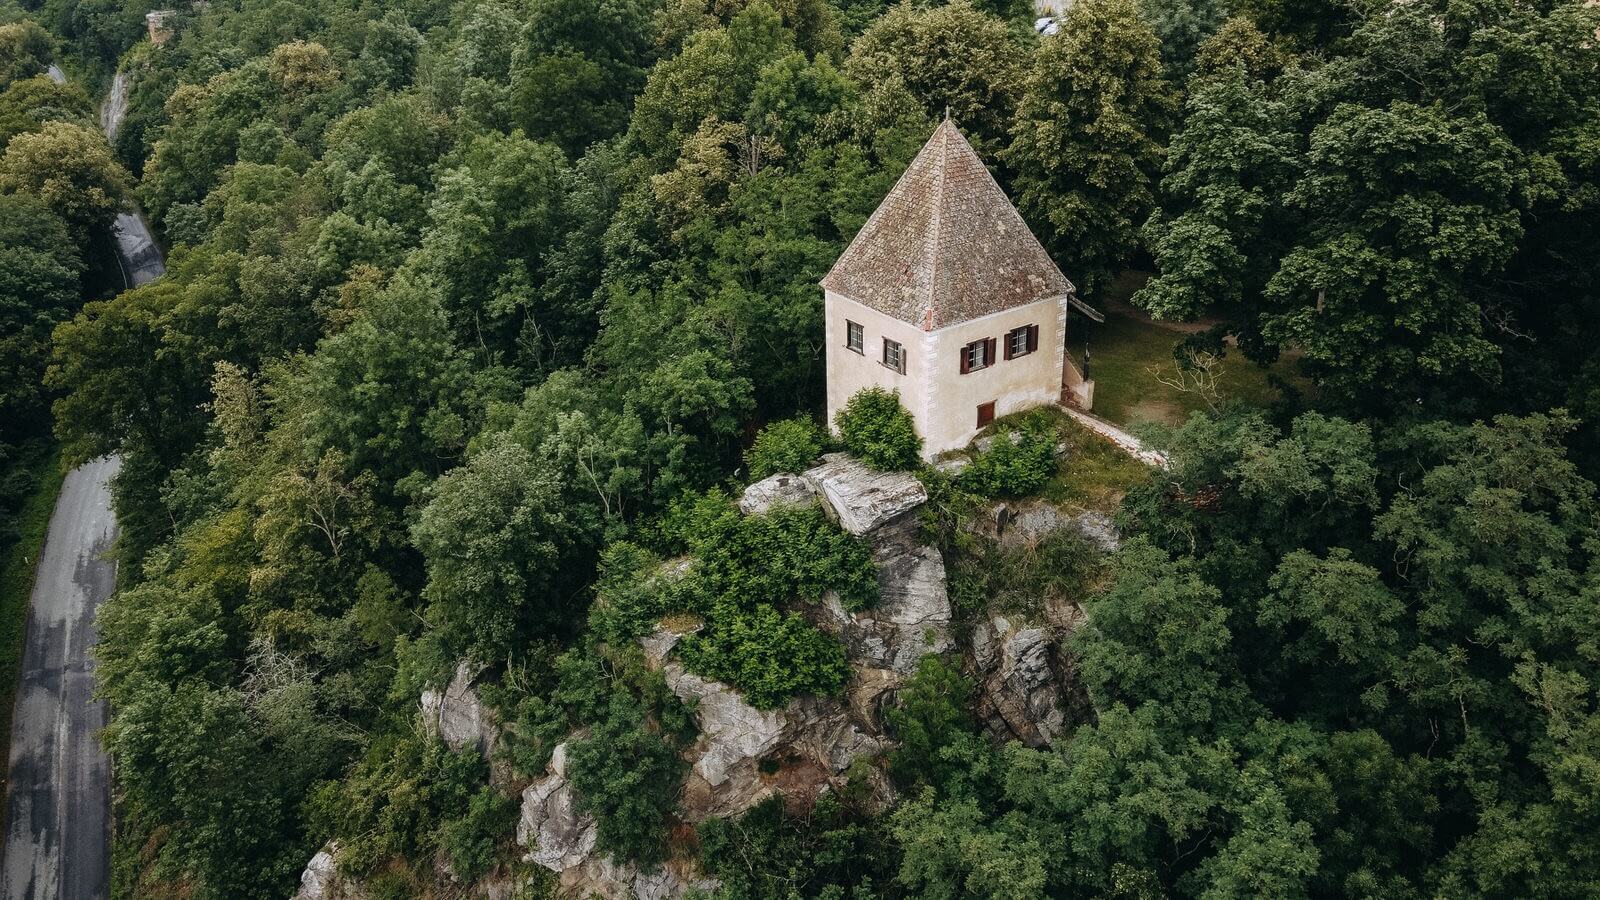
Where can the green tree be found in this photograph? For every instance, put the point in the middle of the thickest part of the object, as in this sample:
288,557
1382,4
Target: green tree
70,169
932,714
1221,212
39,287
1371,299
1182,28
184,750
1086,139
25,51
29,103
499,547
951,58
392,390
581,64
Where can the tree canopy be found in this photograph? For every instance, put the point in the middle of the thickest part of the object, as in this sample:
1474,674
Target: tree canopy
478,318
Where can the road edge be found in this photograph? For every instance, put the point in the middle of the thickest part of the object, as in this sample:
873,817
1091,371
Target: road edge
18,570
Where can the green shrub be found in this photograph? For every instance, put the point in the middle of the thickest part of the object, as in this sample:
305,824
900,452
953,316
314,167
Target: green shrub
770,657
626,773
931,715
542,715
879,431
1018,464
745,568
789,445
471,840
792,552
834,851
633,594
392,802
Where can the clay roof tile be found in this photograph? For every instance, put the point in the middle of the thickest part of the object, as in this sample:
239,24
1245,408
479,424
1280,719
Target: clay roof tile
946,246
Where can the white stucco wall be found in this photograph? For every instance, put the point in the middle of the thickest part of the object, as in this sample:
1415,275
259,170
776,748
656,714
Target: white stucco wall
1012,384
943,401
849,372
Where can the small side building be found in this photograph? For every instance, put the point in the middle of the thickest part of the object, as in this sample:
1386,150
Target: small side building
946,297
159,24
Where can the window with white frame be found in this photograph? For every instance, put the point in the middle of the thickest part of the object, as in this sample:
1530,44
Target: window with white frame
977,355
855,337
894,356
1022,341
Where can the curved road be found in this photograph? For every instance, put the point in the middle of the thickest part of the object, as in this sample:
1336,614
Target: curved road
58,793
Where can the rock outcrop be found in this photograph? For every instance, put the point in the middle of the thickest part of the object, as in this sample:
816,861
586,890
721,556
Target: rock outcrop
861,499
744,755
1020,694
321,879
1030,523
774,491
457,714
912,616
562,840
1099,529
602,877
557,836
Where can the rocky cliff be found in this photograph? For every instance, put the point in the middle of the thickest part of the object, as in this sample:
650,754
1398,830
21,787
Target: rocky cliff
744,755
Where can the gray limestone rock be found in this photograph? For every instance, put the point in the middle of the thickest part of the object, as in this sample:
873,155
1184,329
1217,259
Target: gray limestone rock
861,499
556,835
603,877
321,879
457,714
1020,694
563,841
1031,523
1100,530
774,491
810,742
733,734
912,616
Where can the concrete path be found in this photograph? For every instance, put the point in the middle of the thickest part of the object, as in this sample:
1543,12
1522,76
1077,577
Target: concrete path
1130,444
58,815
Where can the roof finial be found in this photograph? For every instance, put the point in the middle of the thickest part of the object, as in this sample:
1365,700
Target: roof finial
947,112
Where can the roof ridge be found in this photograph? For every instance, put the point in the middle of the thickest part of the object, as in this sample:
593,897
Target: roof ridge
936,226
945,245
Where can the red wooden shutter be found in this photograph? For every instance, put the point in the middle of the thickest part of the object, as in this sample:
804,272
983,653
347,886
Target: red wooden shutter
988,351
985,414
1033,338
966,360
1008,348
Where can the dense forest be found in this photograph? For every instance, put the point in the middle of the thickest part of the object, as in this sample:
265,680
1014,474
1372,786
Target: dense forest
478,311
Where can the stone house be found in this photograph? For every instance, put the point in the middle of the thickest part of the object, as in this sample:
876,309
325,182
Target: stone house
946,297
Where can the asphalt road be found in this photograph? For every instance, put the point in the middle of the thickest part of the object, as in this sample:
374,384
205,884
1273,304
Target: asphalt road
58,811
58,794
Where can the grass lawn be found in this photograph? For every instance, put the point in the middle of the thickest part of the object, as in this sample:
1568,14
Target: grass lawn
1124,349
1093,472
16,581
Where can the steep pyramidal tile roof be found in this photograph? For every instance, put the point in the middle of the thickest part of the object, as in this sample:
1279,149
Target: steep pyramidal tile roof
946,245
